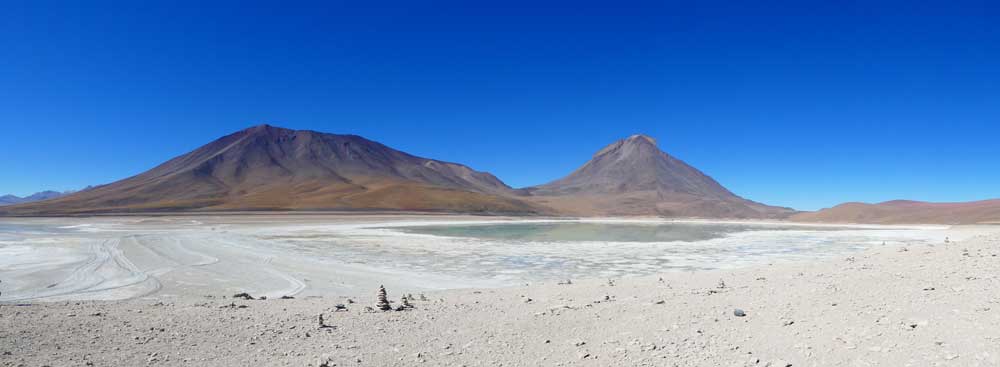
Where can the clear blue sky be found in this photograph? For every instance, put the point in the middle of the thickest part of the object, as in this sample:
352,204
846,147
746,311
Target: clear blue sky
798,104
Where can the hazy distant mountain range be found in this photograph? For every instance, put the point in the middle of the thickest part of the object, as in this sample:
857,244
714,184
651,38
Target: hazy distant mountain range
907,211
38,196
271,168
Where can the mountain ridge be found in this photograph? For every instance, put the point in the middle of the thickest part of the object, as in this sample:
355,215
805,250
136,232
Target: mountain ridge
38,196
271,168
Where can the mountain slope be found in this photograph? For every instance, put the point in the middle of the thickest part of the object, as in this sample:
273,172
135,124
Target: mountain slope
634,177
270,168
907,212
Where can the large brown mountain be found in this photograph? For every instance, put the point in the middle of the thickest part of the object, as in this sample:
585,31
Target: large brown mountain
907,212
270,168
634,177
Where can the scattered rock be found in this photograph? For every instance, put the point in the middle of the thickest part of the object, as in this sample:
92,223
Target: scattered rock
244,295
322,323
739,313
405,303
325,361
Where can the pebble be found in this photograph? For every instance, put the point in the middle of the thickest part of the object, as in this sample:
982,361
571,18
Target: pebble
739,313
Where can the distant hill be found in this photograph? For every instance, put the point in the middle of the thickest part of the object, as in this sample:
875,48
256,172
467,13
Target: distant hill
634,177
907,212
271,168
38,196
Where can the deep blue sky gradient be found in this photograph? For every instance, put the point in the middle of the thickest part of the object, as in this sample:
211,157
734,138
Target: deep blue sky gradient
789,103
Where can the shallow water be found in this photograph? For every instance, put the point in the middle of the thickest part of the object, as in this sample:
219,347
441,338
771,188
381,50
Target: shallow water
525,251
607,232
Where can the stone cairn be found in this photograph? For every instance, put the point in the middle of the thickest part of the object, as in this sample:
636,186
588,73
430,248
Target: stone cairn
382,302
405,303
322,322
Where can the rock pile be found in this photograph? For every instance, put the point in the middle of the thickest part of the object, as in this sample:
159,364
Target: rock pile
382,301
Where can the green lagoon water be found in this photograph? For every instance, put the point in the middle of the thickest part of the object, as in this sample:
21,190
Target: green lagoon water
600,232
520,251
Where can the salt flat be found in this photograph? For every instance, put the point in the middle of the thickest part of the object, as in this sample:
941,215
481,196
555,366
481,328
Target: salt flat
113,258
917,300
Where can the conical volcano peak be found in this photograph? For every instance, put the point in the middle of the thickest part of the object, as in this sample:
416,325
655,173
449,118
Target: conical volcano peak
641,139
265,129
629,144
632,176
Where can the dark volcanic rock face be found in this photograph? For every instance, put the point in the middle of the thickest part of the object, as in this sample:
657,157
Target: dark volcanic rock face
634,177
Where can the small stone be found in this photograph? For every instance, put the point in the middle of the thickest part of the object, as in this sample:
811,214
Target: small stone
739,313
244,295
325,361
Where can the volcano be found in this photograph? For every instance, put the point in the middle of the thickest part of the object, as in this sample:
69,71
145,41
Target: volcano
633,176
272,168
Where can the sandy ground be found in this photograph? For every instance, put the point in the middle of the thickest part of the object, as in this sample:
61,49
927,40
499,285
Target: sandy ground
893,305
